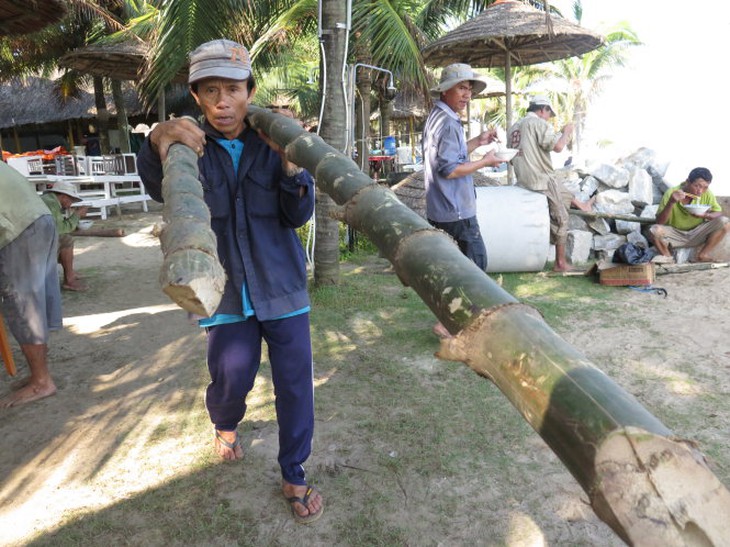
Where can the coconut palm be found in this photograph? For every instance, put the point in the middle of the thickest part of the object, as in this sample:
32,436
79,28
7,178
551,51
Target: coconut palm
87,21
577,81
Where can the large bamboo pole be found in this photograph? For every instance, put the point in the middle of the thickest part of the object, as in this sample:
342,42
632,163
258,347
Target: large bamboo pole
650,487
191,274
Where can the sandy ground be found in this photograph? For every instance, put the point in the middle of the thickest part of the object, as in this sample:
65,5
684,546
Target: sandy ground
129,368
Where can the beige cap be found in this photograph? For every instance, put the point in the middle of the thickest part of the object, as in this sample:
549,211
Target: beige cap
67,188
542,100
458,72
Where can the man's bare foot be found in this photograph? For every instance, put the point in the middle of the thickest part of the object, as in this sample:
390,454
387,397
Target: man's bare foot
702,258
31,391
440,331
228,445
74,286
562,267
305,501
586,206
15,386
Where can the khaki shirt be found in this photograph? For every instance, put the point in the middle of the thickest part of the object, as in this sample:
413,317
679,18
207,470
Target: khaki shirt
535,140
20,205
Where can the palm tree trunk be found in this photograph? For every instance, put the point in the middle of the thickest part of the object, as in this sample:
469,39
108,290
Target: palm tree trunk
650,487
362,116
122,121
102,114
332,130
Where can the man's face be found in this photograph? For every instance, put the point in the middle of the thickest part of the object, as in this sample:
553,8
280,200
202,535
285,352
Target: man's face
458,96
64,200
224,104
545,113
698,186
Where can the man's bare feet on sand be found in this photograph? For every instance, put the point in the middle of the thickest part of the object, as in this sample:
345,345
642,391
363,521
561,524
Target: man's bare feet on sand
28,392
562,268
228,445
76,286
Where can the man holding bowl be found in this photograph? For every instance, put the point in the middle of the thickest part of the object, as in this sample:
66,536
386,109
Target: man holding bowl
689,216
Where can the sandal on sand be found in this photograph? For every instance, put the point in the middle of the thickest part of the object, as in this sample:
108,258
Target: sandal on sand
310,518
232,446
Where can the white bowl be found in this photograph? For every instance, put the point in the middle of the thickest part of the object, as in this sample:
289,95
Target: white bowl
85,224
506,154
696,209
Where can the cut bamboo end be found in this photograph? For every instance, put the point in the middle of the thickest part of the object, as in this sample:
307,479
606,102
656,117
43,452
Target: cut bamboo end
653,490
194,280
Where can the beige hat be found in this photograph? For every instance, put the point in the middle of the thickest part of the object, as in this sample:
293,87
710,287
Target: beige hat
542,100
219,59
67,188
458,72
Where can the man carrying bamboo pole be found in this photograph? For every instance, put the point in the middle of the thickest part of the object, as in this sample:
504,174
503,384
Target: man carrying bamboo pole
30,296
257,199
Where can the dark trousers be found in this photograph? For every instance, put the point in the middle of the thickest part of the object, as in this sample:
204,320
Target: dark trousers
234,356
468,237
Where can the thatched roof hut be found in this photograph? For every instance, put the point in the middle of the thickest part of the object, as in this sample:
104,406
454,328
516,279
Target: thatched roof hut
410,105
34,100
26,16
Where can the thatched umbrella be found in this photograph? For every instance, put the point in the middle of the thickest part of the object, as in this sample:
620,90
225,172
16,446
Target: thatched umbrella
26,16
510,33
118,61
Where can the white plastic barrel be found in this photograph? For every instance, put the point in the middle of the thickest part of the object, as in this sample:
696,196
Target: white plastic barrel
515,225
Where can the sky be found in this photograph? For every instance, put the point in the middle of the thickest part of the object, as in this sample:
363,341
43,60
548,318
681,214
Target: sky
670,96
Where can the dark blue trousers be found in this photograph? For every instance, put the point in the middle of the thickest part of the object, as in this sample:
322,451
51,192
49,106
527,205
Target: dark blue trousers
234,356
468,237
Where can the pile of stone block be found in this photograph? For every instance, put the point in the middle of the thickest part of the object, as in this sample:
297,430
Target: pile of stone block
632,186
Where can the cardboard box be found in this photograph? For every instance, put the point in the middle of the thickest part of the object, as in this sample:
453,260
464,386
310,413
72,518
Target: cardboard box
627,274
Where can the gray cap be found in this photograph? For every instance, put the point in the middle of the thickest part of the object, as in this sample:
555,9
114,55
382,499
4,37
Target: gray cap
458,72
219,59
67,188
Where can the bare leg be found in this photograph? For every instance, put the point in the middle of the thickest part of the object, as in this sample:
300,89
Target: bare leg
703,255
40,384
70,279
659,243
560,263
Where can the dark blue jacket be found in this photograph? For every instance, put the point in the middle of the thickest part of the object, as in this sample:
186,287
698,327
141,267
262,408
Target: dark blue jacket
254,216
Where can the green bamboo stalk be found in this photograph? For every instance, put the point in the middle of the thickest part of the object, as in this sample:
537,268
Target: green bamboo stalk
191,274
651,488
